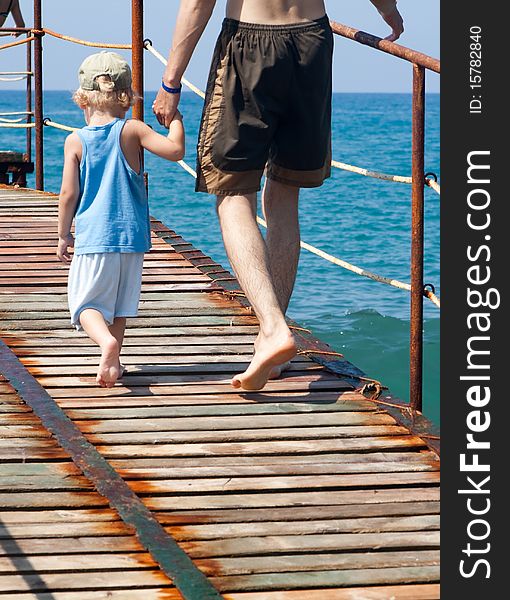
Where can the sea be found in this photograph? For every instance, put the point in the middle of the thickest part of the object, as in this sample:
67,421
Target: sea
364,221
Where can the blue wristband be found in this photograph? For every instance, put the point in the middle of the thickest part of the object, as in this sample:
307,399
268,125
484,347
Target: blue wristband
171,90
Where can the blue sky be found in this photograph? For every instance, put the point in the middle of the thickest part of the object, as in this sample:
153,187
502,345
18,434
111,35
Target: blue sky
356,68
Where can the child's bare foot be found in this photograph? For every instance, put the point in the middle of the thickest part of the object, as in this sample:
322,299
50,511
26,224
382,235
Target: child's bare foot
109,365
271,353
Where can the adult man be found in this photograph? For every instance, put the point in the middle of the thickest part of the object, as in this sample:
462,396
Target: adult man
11,6
268,107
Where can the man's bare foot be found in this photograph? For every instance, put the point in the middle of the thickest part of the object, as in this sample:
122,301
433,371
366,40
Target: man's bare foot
270,354
109,365
277,371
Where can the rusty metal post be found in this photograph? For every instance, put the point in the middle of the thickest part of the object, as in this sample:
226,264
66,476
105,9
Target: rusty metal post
28,104
137,55
137,49
417,243
38,112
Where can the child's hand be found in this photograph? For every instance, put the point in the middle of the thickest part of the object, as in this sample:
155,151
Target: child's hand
178,116
62,248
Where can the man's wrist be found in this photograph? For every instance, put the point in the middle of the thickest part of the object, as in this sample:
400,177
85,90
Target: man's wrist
171,90
172,81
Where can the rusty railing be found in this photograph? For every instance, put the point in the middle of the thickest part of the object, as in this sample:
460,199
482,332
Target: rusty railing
420,62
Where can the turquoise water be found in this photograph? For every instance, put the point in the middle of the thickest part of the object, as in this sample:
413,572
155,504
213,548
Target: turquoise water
361,220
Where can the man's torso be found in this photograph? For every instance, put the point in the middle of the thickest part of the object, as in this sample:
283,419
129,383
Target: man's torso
275,12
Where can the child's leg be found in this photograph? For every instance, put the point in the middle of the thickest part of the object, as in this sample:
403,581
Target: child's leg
97,329
117,329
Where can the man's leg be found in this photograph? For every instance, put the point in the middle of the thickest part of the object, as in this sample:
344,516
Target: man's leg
280,206
97,329
247,253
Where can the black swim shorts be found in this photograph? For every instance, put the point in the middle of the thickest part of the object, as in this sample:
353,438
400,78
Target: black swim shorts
267,107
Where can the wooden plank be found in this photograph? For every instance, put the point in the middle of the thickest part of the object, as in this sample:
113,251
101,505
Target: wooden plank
344,578
156,593
400,592
323,482
276,544
74,546
107,562
230,566
82,581
288,499
251,515
234,436
238,422
224,531
264,447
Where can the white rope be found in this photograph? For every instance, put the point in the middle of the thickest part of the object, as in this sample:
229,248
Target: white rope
19,112
50,123
3,120
148,46
434,185
368,173
13,78
329,257
17,125
16,73
338,261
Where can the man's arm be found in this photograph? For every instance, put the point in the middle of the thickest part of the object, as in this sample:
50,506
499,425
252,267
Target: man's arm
191,21
16,14
389,12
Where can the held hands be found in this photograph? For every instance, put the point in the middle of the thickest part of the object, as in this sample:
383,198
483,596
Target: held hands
165,106
396,22
64,243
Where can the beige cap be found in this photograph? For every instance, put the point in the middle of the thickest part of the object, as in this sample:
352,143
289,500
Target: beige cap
104,63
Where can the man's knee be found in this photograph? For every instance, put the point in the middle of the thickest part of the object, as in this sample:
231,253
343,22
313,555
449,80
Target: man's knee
275,190
236,203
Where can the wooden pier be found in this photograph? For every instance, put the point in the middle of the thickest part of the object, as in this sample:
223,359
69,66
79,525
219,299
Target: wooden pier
305,491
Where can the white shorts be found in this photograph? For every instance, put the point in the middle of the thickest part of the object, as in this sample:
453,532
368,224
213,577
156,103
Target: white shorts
109,282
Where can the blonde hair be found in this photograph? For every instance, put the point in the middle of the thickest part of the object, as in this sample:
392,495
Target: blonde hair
105,97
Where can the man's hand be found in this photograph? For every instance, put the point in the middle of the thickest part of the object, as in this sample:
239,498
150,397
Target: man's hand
396,22
165,106
63,248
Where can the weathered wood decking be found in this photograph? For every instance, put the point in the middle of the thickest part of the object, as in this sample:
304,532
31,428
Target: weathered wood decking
306,490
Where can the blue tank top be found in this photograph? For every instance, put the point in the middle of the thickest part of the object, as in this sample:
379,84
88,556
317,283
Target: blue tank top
113,211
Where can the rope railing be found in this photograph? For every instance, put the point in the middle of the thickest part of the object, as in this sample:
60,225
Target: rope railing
338,261
334,163
18,42
17,125
20,78
317,251
430,181
147,44
79,41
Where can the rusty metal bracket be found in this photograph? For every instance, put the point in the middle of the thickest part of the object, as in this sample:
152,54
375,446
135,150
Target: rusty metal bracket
174,562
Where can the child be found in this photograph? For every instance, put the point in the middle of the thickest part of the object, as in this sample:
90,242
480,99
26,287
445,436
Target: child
103,189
